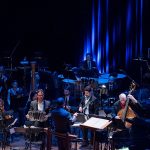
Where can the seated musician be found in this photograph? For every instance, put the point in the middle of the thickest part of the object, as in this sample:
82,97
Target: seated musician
70,102
7,116
89,106
40,105
15,99
130,127
134,107
88,67
61,120
7,119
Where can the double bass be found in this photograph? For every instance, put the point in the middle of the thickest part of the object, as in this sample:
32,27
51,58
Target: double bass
127,112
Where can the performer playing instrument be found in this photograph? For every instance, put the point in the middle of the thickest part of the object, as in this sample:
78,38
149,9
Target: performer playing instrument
40,105
89,106
127,107
127,114
70,102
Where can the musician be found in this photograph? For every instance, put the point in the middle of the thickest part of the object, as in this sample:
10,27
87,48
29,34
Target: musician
134,111
32,97
42,105
15,99
88,66
121,103
61,120
70,103
7,120
89,106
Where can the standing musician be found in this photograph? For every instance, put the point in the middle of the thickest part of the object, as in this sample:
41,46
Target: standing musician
89,106
61,121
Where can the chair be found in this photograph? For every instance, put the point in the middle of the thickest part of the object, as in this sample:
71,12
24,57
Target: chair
68,138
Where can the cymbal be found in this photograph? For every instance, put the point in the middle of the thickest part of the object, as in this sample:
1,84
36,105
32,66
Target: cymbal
108,75
24,62
139,59
69,81
24,67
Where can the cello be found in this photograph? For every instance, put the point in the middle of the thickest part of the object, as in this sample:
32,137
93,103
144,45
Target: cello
127,112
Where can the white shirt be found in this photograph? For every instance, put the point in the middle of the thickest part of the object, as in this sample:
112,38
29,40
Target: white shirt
41,106
87,108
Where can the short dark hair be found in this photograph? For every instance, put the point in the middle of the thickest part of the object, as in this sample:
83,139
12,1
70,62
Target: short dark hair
40,90
88,88
60,101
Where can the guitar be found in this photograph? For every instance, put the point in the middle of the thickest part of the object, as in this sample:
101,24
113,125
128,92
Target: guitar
127,112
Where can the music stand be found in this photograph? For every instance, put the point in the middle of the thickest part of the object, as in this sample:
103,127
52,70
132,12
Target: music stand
96,124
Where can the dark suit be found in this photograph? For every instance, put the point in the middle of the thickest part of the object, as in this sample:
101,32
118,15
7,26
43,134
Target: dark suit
93,105
87,70
34,107
72,103
85,65
61,120
93,109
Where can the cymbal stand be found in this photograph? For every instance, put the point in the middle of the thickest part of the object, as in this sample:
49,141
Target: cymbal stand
11,55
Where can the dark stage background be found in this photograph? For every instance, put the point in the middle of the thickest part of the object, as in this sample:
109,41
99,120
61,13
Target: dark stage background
57,31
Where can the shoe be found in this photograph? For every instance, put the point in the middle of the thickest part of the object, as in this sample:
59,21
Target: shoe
90,146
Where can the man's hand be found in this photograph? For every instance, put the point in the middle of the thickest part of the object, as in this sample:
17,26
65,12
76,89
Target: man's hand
117,117
27,116
80,109
132,98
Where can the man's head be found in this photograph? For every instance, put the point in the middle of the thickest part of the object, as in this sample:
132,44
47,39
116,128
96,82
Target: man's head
122,98
60,101
88,56
14,84
87,91
40,95
66,91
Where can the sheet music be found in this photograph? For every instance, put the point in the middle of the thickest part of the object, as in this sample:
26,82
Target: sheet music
96,123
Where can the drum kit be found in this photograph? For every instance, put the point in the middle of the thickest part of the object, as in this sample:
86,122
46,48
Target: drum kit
102,83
